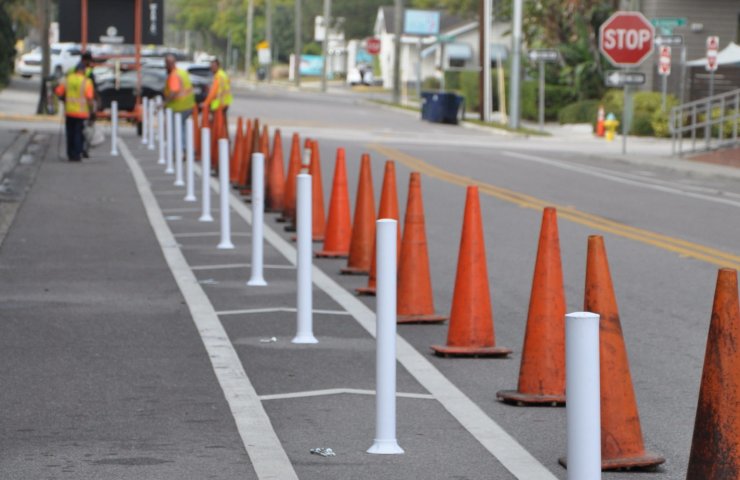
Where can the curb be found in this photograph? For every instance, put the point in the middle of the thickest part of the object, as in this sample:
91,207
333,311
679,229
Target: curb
18,117
11,155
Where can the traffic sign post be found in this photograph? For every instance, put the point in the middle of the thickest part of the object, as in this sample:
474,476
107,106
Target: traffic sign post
712,49
541,56
626,39
664,69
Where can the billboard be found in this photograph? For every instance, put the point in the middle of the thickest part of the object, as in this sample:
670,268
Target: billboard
111,21
421,22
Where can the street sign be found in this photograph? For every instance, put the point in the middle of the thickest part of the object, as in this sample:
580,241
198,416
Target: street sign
664,64
626,39
372,45
619,78
544,55
672,40
667,24
712,48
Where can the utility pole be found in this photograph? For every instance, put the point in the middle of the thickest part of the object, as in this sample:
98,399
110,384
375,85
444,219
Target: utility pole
43,13
325,44
516,66
398,31
248,48
486,100
268,35
297,44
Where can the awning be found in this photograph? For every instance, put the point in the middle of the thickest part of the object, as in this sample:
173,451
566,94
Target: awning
458,51
730,55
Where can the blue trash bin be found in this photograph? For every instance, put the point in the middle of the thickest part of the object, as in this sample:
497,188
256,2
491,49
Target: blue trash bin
441,107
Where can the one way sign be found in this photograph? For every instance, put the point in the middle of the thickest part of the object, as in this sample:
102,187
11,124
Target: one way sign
618,78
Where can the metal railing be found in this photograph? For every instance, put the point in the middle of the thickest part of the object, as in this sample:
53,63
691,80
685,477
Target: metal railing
710,122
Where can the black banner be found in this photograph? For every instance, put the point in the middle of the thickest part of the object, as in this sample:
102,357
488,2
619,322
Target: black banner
111,21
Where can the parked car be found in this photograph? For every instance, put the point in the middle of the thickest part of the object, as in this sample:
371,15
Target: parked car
64,56
152,82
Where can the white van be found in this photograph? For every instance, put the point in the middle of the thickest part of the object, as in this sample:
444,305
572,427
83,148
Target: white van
64,56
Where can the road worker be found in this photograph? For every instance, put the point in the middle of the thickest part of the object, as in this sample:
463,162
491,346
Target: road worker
78,94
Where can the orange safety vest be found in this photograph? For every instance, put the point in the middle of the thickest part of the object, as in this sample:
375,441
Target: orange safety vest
184,99
75,89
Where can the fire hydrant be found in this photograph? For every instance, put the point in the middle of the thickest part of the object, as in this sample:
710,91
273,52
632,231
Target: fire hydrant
611,123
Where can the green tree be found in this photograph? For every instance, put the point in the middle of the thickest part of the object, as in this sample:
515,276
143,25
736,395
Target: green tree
7,45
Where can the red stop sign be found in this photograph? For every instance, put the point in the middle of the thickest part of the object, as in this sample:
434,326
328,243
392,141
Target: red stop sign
373,46
626,39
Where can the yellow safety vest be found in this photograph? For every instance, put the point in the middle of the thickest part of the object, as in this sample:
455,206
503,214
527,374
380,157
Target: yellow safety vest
75,103
223,96
185,99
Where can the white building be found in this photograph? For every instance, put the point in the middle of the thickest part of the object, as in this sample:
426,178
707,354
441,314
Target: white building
423,57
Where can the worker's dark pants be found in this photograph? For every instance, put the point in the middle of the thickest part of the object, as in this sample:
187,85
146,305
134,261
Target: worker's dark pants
75,140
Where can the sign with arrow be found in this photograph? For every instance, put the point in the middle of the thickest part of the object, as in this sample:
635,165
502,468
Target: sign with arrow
544,55
619,78
669,40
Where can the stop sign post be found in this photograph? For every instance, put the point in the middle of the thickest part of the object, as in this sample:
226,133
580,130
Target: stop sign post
626,40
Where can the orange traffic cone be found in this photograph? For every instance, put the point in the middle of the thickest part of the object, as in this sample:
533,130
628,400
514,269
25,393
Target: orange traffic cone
600,122
715,447
388,209
276,178
338,223
542,371
304,166
294,164
363,228
621,435
318,216
236,153
415,301
196,133
471,332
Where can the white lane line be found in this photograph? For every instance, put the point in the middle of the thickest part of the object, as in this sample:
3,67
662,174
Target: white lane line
225,266
339,391
278,309
168,192
515,458
180,210
210,234
265,451
584,170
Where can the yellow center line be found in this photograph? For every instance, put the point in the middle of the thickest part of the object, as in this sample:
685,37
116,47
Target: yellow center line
665,242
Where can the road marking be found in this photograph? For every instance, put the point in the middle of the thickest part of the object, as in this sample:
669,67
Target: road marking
682,247
225,266
339,391
210,234
278,309
265,451
515,458
626,179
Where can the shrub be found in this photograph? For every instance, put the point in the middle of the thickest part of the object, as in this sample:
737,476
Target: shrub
431,83
584,111
556,97
469,90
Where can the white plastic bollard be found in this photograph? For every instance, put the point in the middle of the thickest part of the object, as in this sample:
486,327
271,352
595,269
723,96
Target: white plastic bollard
170,142
385,357
583,395
177,148
223,176
258,217
189,171
160,133
152,109
205,163
144,120
114,128
304,240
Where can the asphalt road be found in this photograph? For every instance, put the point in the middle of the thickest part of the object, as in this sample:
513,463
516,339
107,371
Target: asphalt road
107,377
